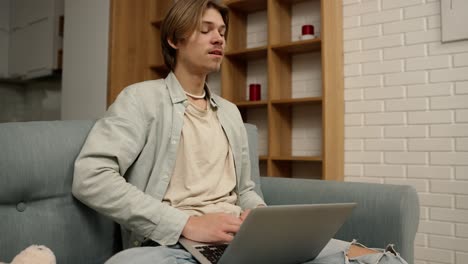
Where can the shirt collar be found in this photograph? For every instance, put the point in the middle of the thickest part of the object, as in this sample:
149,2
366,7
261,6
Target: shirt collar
176,92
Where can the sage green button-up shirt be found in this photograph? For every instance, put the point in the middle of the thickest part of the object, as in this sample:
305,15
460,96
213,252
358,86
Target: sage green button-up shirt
127,161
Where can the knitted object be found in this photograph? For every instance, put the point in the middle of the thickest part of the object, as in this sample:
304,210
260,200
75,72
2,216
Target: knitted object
35,255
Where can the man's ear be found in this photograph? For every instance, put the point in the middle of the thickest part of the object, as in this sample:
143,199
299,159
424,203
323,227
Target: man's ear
174,46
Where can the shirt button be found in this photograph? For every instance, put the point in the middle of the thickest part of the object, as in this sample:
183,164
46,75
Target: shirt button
136,243
173,142
21,207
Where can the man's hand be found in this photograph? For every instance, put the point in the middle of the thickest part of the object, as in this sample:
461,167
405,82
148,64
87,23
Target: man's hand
217,228
357,251
244,215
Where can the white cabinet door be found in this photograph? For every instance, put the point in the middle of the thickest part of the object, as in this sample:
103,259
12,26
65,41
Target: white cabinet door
4,36
32,50
33,34
25,12
18,53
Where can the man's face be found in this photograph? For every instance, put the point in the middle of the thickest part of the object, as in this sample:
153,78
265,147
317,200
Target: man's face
203,51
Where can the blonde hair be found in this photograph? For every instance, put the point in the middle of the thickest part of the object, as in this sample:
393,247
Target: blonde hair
182,20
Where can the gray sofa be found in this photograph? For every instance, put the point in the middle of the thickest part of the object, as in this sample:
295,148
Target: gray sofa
37,207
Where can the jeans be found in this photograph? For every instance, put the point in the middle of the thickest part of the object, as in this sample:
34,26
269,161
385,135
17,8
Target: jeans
157,255
333,253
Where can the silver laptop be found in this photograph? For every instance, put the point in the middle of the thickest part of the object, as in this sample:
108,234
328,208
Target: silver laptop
277,234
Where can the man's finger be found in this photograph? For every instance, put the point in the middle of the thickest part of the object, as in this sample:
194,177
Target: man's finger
226,237
232,220
231,228
245,214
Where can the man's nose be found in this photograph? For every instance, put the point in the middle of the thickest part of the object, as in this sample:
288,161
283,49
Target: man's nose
218,38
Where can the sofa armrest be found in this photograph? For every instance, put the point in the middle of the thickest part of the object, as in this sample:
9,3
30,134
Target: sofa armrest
385,214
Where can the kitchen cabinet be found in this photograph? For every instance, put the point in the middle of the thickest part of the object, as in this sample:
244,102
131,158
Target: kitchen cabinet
34,37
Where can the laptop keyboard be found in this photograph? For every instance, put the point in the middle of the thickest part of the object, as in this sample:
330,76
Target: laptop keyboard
212,252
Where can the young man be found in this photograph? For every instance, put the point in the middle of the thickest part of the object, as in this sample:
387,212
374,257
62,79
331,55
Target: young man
169,158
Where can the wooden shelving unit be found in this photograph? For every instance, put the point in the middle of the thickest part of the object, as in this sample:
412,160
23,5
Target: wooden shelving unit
248,54
297,101
252,104
141,24
298,47
280,104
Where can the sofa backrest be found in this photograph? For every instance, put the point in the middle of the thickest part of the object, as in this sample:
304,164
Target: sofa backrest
36,204
252,135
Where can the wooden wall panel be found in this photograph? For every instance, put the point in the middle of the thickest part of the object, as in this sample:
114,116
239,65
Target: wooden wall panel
128,45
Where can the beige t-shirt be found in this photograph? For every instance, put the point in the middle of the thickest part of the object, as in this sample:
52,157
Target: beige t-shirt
204,177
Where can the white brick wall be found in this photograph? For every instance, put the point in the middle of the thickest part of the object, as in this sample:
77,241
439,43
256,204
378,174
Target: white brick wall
257,29
461,230
406,115
306,130
461,88
307,12
306,75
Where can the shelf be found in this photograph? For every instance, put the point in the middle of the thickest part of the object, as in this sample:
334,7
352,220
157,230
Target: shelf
296,47
294,1
248,54
297,158
297,101
262,158
252,104
246,6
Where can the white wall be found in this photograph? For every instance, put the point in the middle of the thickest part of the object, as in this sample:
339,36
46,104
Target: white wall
406,119
35,100
84,85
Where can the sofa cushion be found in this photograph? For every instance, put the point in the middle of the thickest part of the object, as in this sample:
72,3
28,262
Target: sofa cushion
36,204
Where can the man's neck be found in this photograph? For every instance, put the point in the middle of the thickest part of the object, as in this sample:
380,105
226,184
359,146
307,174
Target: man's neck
191,82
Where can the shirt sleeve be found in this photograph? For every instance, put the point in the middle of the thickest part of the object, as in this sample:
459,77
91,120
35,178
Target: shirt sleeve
111,147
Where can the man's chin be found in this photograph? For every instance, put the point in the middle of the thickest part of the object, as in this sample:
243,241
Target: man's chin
214,68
